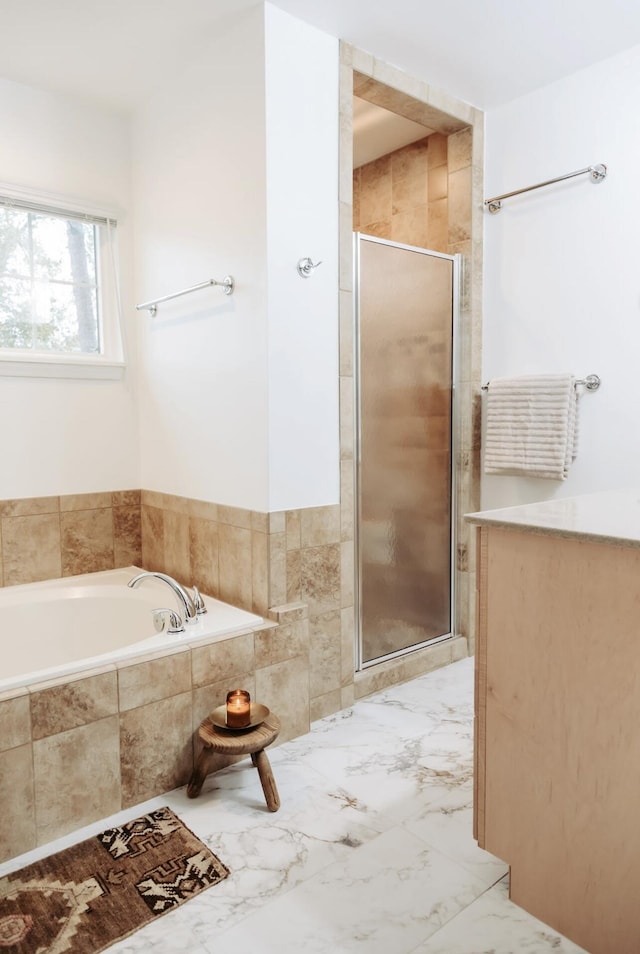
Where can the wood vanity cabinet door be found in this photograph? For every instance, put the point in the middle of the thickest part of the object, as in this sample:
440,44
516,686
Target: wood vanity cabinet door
558,730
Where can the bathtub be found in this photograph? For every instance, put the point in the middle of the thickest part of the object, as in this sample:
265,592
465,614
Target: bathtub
61,627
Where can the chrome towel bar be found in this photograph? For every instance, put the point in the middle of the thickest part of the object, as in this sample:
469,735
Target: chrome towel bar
227,283
592,382
597,173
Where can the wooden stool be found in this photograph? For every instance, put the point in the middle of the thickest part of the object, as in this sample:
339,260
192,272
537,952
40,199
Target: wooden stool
251,742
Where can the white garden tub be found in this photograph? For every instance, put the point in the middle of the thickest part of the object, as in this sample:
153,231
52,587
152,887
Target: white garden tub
66,626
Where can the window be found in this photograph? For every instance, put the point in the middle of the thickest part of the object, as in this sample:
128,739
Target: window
59,313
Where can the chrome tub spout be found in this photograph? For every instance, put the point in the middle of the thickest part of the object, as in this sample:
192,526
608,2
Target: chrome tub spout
187,604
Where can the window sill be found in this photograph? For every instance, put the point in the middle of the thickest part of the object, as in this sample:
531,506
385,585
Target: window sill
64,366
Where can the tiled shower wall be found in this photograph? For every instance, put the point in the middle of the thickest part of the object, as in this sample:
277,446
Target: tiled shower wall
419,195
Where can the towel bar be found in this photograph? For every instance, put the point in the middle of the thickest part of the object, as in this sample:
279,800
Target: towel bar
592,382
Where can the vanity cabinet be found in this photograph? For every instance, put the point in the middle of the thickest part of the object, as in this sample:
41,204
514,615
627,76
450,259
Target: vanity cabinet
557,740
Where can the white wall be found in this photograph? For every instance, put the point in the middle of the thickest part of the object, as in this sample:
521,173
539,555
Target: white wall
302,67
199,186
561,283
239,394
68,436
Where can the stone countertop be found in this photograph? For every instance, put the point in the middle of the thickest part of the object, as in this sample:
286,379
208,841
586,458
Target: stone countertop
611,517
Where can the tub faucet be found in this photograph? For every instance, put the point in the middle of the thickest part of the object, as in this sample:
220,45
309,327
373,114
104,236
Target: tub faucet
187,603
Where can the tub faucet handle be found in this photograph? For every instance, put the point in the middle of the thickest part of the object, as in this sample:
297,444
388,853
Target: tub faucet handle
198,601
167,621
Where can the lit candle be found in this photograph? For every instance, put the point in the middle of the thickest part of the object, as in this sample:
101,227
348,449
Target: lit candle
238,709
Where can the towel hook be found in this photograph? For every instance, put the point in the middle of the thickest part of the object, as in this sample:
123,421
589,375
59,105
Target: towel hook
305,267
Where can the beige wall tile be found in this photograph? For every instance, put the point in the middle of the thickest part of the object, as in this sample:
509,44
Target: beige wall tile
293,529
156,748
72,703
151,498
127,536
289,612
347,629
399,670
460,205
375,190
204,547
438,149
235,517
320,578
282,642
87,541
203,510
459,149
126,498
346,418
15,719
346,333
260,521
277,569
144,682
347,696
284,688
278,521
412,226
259,572
325,653
222,660
320,525
17,818
29,506
347,500
355,185
325,705
31,548
294,567
346,247
439,225
438,182
347,573
176,504
177,552
77,778
409,177
152,538
234,563
85,501
381,229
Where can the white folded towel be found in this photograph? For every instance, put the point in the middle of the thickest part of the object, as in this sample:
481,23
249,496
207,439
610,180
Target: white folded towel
531,426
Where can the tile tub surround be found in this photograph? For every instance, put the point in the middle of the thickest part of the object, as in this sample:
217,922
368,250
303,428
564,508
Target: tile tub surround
44,538
371,850
78,748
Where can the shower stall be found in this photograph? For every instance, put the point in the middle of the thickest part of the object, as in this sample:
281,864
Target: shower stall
406,306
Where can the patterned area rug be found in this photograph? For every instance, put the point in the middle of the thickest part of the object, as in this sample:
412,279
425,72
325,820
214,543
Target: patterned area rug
85,898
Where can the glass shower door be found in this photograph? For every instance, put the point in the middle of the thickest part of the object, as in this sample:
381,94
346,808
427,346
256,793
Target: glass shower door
404,337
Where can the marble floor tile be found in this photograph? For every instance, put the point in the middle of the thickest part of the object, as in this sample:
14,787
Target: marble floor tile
386,896
371,850
493,925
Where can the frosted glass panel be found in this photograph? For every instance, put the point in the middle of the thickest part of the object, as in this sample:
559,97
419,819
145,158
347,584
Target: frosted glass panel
405,332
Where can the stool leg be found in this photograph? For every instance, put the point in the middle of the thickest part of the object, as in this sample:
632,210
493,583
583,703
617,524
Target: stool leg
267,780
199,773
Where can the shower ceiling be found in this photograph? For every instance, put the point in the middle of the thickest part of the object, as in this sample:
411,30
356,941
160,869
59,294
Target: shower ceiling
377,131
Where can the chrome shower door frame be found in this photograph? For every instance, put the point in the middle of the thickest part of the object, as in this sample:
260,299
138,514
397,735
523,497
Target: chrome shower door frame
456,260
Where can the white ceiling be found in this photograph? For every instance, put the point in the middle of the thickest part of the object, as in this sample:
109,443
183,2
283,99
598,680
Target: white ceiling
376,132
483,51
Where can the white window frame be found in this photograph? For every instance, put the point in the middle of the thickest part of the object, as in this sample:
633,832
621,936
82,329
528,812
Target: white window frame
110,363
